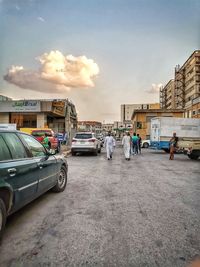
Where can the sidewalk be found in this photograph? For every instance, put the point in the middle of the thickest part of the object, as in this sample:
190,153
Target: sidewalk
66,150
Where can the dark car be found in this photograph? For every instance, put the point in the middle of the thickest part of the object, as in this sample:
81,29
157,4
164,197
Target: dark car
27,170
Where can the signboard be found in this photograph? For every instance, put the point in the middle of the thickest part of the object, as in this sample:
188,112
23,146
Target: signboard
20,106
8,126
59,108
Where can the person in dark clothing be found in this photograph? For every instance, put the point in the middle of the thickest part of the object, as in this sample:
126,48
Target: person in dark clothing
135,144
139,143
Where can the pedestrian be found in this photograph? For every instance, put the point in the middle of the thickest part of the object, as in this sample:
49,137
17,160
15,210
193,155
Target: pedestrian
135,144
45,141
139,143
109,145
172,146
126,142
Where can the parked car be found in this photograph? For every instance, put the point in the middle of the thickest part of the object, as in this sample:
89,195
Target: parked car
85,142
27,170
145,143
53,140
100,137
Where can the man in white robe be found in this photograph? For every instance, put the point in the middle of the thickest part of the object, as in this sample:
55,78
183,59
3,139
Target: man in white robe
126,142
109,145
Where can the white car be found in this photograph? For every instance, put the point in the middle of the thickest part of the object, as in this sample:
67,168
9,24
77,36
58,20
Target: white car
145,143
85,142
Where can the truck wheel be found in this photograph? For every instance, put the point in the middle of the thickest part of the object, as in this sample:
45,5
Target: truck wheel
2,217
166,150
145,145
193,157
62,180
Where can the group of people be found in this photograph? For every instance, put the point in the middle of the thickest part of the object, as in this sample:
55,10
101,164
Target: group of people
131,144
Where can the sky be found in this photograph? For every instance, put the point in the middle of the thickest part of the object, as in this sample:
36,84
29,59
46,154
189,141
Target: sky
98,53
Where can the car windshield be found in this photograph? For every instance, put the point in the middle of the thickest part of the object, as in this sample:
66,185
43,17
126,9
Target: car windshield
41,133
83,136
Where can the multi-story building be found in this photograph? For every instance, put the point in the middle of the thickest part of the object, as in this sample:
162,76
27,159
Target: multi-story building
128,109
187,86
167,96
107,127
90,126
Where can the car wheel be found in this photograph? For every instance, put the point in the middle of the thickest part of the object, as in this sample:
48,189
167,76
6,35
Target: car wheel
2,217
73,153
166,150
194,157
146,145
62,180
96,152
99,151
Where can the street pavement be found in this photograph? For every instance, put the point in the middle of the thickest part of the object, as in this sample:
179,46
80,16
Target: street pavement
140,213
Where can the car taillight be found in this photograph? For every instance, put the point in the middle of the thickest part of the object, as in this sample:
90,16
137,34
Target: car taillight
91,140
73,141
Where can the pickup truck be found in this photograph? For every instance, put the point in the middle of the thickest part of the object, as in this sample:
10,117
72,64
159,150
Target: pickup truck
53,140
190,147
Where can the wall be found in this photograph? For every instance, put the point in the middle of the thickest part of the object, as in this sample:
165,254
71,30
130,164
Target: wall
4,117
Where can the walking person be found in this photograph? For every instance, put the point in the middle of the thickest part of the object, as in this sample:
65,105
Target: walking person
126,142
135,144
109,145
45,141
172,146
139,143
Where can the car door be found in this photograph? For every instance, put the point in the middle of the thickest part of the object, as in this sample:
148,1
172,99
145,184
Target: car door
48,165
19,171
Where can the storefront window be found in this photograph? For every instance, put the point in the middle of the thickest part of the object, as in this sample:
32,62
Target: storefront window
24,120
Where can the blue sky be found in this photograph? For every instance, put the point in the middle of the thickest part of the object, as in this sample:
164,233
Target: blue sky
136,43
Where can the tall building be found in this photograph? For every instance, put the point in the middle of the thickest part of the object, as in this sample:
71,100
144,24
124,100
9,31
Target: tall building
167,96
187,86
128,109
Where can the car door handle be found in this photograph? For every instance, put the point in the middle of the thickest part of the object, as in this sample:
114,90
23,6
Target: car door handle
12,172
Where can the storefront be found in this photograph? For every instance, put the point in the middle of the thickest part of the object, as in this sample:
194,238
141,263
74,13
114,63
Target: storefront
58,115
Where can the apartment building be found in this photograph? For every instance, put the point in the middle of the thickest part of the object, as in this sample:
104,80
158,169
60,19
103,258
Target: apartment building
167,96
187,86
128,109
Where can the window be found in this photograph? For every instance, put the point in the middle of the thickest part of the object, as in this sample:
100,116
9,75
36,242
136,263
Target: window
4,151
83,136
35,147
139,125
15,146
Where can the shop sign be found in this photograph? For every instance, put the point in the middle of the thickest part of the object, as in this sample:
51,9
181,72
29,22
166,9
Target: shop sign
20,106
59,108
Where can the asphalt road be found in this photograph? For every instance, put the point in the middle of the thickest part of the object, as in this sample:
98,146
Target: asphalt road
141,213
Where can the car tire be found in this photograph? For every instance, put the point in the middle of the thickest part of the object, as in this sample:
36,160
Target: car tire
2,217
62,180
96,152
146,145
73,153
166,150
194,157
99,151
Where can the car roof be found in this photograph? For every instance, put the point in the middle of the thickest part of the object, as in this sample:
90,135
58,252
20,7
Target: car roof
9,131
84,133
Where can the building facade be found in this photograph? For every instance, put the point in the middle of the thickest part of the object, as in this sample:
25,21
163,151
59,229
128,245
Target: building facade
57,114
167,96
90,126
141,119
107,127
128,109
186,88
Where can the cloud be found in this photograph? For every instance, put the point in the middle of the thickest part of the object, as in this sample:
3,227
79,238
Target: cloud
57,73
155,88
17,7
41,19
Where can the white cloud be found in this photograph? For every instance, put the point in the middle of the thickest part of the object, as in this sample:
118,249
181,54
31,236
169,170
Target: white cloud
41,19
17,7
155,88
57,73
